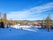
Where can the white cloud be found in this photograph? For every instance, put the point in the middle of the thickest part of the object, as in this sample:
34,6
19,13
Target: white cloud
42,8
33,12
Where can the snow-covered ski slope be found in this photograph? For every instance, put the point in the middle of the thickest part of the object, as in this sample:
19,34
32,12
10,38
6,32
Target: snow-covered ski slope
25,34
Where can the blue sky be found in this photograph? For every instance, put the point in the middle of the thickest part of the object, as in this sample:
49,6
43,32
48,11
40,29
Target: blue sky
26,9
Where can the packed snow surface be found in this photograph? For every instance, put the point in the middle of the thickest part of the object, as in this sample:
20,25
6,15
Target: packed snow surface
25,34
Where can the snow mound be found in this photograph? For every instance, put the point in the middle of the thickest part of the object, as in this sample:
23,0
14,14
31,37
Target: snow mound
24,27
20,26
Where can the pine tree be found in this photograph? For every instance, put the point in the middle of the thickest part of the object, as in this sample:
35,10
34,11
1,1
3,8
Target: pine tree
48,22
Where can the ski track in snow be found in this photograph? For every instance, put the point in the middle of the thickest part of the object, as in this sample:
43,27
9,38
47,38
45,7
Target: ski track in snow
30,30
